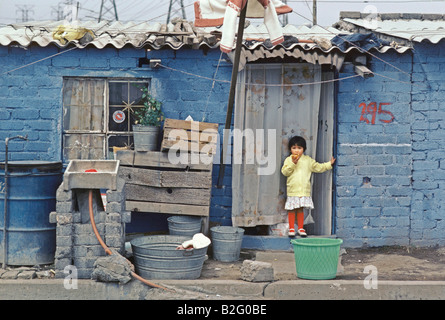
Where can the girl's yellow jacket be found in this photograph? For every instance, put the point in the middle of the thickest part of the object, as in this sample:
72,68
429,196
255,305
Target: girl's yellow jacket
299,175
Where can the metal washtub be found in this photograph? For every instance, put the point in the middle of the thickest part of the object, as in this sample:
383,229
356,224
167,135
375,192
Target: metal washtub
156,257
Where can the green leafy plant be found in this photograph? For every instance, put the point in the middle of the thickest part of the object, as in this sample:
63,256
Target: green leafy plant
151,113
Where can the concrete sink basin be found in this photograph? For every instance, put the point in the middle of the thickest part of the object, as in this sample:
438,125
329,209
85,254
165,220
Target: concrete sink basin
91,174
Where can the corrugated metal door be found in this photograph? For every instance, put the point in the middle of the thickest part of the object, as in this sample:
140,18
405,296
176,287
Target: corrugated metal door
272,99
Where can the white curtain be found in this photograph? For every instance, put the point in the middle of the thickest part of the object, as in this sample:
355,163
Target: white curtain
269,98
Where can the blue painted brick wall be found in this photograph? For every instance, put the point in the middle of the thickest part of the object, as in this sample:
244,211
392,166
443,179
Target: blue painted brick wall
390,174
31,97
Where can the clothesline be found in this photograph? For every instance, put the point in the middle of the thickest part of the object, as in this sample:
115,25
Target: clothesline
279,85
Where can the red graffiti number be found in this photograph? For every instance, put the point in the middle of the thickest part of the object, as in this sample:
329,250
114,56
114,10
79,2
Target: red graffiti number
372,110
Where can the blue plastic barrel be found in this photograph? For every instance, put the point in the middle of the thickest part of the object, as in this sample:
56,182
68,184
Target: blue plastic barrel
32,186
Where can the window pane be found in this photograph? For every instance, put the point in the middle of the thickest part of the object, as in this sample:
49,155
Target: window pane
119,141
83,146
83,105
118,93
125,98
136,93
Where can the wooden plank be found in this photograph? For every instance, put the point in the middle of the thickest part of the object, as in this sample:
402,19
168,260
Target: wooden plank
189,125
161,160
207,136
126,157
189,146
159,178
191,136
168,195
363,71
167,208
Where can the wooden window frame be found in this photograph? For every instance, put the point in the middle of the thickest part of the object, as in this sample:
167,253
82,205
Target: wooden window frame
104,132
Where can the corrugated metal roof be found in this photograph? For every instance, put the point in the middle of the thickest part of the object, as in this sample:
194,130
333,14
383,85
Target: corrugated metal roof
411,27
174,35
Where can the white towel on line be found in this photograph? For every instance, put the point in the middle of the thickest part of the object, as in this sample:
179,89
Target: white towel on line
212,13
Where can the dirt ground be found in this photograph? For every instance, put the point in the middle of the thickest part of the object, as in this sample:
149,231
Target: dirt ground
392,263
395,263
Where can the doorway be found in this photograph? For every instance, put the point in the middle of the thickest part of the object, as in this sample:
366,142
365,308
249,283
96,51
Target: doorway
290,99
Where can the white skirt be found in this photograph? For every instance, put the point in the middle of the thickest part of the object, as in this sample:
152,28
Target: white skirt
298,202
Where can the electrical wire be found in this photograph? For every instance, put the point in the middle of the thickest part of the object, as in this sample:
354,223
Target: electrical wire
260,84
356,46
132,26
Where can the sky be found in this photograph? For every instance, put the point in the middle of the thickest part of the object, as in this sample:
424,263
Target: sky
328,11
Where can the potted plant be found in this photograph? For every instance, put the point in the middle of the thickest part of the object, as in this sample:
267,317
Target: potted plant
148,122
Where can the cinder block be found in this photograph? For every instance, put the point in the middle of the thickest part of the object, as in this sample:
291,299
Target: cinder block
64,241
256,271
126,217
65,206
114,229
116,242
113,217
61,264
63,252
64,195
64,230
64,218
115,207
85,240
88,251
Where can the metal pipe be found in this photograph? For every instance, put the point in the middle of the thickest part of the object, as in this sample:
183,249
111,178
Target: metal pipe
5,192
108,251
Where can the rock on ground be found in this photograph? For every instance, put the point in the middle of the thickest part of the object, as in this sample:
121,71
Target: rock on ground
256,271
112,268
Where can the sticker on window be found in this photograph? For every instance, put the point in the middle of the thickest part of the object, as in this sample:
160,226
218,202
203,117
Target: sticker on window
118,116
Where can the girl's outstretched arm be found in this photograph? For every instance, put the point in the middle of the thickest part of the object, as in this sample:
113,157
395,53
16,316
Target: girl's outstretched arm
321,167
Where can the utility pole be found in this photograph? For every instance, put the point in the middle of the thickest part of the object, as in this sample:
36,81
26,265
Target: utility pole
24,10
182,8
283,17
314,12
66,10
107,6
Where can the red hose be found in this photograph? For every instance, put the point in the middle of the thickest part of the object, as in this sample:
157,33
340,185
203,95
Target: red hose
108,251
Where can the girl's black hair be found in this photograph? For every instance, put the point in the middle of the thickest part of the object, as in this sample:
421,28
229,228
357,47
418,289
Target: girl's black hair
297,140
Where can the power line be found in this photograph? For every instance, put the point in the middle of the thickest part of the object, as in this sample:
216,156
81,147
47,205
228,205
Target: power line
369,1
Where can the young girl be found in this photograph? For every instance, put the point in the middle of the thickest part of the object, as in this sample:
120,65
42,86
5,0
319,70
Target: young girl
298,169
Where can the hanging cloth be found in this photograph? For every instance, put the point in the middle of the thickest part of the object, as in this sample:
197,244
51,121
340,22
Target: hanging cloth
214,13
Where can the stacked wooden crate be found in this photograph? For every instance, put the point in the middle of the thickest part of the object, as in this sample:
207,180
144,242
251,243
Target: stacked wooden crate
178,179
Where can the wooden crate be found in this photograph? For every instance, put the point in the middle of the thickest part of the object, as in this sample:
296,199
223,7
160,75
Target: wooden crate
154,184
165,182
190,136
